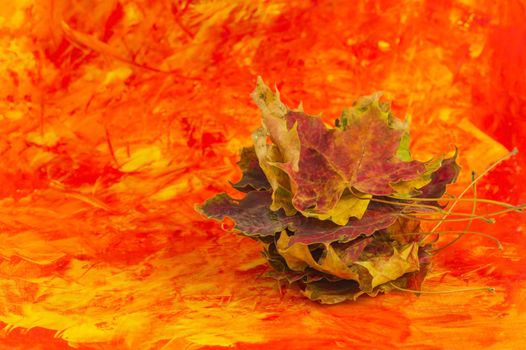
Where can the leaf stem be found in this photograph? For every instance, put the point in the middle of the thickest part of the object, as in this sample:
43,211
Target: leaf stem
450,210
467,217
470,222
480,200
499,244
489,289
487,220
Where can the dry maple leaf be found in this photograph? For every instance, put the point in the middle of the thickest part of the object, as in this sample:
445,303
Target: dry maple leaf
331,172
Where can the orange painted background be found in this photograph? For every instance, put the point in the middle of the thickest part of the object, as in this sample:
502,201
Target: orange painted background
118,116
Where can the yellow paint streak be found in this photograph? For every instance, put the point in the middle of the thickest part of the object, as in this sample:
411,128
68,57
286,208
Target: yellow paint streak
146,156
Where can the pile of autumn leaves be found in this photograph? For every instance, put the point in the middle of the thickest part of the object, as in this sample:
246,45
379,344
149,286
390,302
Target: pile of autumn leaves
335,207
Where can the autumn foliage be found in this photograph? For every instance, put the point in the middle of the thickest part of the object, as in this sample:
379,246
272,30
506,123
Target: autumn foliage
118,117
334,206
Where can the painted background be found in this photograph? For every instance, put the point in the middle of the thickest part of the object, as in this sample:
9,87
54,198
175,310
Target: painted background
117,117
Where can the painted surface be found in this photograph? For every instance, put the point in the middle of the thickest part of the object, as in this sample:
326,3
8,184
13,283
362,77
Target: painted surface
117,117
